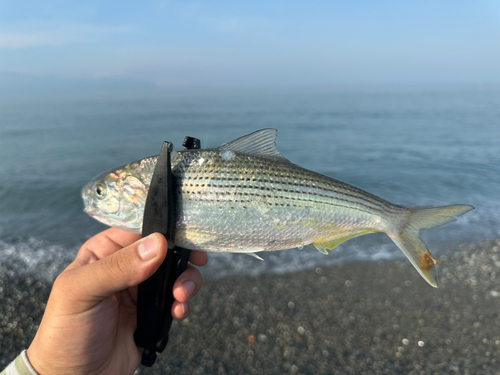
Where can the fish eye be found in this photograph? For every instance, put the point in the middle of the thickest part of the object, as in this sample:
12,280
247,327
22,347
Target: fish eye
100,191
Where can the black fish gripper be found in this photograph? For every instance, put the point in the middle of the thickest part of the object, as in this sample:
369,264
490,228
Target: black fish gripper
155,295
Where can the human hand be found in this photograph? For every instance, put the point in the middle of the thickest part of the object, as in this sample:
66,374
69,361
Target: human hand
91,315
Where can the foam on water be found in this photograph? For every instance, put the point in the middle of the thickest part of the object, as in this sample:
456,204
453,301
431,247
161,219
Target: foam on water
34,258
42,260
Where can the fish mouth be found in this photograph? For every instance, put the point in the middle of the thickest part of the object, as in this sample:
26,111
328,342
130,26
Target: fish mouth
91,211
97,215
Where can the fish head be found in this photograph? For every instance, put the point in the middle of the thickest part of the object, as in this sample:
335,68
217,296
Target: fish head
116,198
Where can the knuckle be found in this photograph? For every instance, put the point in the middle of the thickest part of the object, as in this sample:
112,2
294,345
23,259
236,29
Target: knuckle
61,284
61,281
123,266
115,266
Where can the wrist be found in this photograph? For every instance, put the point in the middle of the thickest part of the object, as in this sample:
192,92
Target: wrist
31,358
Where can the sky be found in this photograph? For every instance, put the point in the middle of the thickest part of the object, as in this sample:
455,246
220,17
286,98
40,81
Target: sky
252,43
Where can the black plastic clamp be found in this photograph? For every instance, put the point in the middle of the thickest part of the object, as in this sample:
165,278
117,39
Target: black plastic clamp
155,295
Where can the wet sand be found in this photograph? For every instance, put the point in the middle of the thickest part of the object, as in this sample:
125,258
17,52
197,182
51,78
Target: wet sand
357,318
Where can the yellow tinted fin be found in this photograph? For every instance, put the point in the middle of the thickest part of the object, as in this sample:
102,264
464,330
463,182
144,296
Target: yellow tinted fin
408,239
320,248
324,247
418,254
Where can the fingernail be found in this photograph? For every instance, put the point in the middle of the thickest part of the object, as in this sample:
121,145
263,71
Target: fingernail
184,309
180,310
188,288
148,247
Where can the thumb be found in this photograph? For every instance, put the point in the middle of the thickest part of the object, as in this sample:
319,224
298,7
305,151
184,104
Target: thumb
123,269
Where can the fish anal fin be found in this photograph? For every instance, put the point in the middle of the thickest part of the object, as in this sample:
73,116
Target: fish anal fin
260,143
325,246
321,249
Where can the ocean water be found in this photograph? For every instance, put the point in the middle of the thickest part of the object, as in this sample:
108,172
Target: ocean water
410,145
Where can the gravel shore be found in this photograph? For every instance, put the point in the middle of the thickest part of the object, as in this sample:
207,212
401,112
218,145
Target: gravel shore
356,318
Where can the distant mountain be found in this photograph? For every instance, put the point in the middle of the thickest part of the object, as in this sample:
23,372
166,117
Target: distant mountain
25,85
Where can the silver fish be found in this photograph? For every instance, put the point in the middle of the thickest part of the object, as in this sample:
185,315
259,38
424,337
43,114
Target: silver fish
245,197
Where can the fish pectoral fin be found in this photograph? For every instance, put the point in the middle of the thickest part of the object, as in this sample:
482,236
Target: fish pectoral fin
255,256
260,143
325,246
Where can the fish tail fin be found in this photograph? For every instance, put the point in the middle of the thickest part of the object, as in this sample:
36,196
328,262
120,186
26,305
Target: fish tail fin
408,237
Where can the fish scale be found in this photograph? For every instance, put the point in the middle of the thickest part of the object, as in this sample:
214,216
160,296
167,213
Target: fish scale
245,197
268,196
311,190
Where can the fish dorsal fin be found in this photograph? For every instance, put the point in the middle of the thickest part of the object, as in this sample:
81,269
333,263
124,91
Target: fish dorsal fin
173,154
260,143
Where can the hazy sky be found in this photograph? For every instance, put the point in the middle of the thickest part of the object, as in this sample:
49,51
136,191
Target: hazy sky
253,42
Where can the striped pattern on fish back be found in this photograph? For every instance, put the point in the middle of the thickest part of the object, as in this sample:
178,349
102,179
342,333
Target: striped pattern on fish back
209,176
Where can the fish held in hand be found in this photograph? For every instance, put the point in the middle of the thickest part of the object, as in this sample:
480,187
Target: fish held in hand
245,197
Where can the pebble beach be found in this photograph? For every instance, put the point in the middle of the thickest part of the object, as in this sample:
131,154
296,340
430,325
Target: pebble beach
353,318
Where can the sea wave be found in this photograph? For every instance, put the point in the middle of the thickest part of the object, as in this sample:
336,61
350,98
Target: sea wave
35,258
42,260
